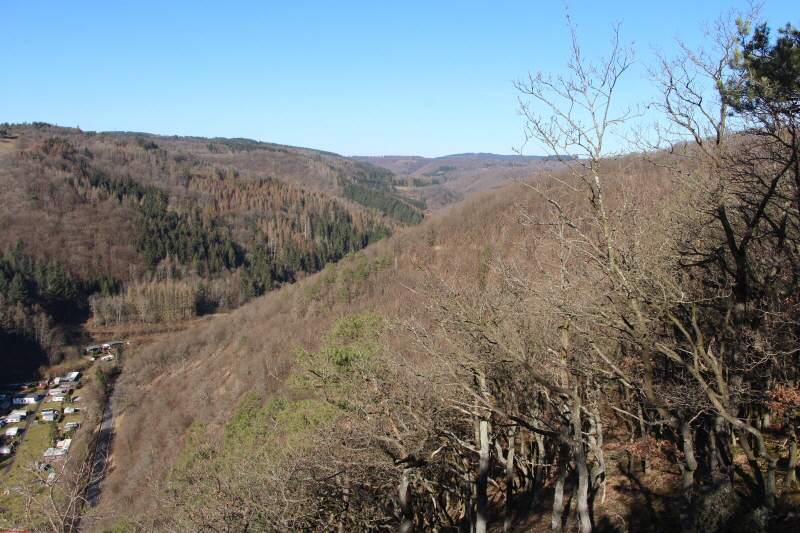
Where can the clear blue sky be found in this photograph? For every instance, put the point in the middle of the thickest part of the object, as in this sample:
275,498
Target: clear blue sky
426,78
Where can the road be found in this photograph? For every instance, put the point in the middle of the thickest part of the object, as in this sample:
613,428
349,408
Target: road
100,457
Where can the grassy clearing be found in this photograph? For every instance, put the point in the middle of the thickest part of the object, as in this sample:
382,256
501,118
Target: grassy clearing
6,145
22,479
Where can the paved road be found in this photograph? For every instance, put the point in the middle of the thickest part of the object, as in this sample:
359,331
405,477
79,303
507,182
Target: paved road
28,420
100,457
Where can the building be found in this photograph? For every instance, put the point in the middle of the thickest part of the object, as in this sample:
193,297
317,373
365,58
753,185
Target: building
113,344
49,415
28,399
54,453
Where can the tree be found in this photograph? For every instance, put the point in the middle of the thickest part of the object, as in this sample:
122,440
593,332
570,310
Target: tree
18,290
581,114
731,116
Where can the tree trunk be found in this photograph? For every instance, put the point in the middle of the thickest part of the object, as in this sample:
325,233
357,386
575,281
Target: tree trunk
512,434
752,460
524,462
579,454
688,467
538,472
483,478
790,470
598,476
561,477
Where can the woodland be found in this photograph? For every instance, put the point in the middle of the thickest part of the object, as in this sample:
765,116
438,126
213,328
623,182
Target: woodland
121,229
607,345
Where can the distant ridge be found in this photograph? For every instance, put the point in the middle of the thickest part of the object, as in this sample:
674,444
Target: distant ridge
485,155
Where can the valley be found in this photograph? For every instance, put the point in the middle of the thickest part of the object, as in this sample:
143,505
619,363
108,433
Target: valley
603,340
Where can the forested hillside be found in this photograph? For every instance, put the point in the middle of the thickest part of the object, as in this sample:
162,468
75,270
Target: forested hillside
607,346
149,229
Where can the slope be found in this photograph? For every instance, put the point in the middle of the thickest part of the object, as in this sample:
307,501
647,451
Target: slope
131,217
199,376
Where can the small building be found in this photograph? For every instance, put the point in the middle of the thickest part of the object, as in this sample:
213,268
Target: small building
92,349
64,444
49,415
54,453
69,426
70,410
6,450
111,345
21,412
108,357
57,398
73,376
69,385
27,399
12,419
12,432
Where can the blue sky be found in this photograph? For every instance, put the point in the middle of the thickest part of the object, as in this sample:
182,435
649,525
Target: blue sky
426,78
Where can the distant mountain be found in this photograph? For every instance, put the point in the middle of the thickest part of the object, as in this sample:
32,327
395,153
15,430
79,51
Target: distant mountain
484,155
444,180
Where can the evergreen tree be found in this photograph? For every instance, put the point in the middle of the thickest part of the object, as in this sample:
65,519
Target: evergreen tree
18,290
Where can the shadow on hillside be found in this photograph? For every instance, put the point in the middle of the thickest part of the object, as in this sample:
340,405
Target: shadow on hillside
20,357
630,505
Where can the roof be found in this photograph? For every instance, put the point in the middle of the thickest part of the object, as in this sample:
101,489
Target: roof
54,452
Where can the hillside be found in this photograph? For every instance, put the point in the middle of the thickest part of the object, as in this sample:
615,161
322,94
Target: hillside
253,349
126,219
609,344
382,366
